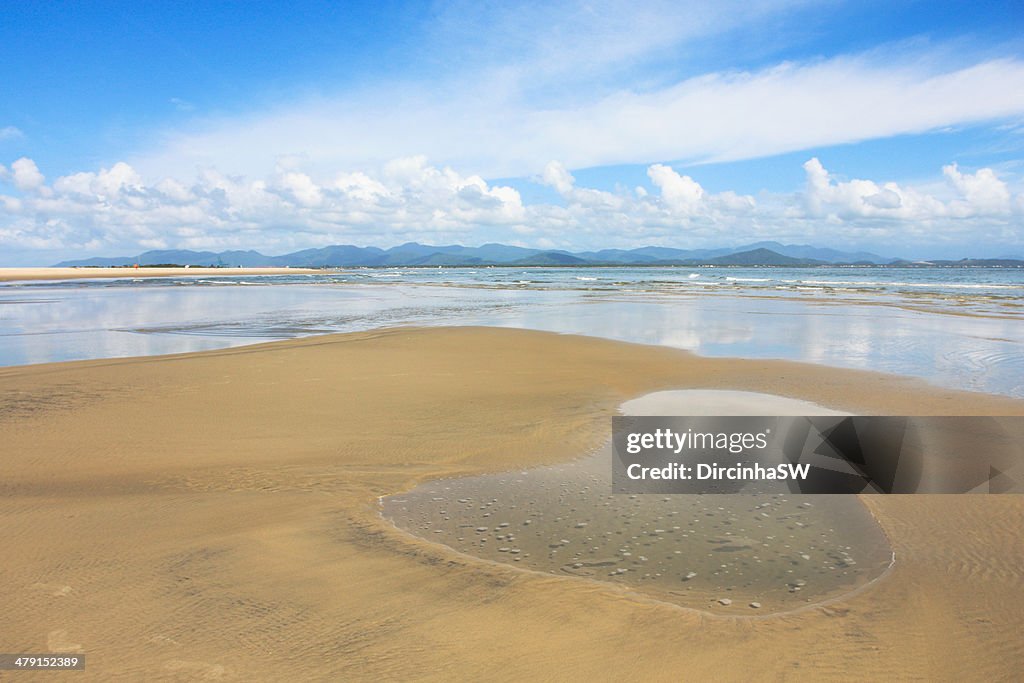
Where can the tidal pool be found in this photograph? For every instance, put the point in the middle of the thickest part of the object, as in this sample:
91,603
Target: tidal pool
727,553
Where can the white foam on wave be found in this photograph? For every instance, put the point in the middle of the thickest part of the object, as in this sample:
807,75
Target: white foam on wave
898,283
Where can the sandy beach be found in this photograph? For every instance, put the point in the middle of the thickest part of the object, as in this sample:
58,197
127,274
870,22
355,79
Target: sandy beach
214,516
16,274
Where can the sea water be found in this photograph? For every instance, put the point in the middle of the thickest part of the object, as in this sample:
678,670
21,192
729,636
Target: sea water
960,328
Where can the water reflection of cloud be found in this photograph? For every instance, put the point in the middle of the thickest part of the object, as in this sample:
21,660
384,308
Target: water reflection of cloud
77,322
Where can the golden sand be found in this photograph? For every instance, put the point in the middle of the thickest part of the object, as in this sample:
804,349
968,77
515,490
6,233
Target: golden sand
214,516
13,274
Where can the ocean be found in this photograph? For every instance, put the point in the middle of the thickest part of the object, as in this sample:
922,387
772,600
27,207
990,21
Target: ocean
956,327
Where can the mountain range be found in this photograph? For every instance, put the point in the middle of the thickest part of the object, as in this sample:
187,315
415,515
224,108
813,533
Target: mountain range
415,254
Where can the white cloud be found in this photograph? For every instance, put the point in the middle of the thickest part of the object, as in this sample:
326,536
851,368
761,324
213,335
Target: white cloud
103,184
981,192
682,193
116,208
488,121
978,194
26,176
585,37
300,189
685,197
556,175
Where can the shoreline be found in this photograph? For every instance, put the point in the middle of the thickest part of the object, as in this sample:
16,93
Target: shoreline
138,318
82,273
221,505
258,343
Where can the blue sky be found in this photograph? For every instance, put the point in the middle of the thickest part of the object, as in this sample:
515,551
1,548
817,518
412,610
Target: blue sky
892,126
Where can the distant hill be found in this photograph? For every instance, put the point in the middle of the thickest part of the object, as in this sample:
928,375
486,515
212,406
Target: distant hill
338,255
820,253
762,257
667,254
245,259
551,258
415,254
618,256
99,262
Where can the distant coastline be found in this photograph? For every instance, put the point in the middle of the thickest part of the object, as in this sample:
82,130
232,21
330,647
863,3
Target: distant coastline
239,270
412,254
80,273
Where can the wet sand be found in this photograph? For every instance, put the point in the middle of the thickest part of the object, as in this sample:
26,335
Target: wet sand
16,274
726,554
215,516
769,552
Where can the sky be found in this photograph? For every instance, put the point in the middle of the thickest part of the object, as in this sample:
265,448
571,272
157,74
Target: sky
895,127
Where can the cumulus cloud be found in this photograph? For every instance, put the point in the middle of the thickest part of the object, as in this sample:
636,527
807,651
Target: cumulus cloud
101,185
981,192
978,194
682,193
679,197
685,197
556,175
26,176
409,198
115,205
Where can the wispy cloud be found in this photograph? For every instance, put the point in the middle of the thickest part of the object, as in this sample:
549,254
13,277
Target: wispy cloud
182,105
10,133
491,128
585,43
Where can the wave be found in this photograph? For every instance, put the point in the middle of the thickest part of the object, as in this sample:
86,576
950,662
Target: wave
900,283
